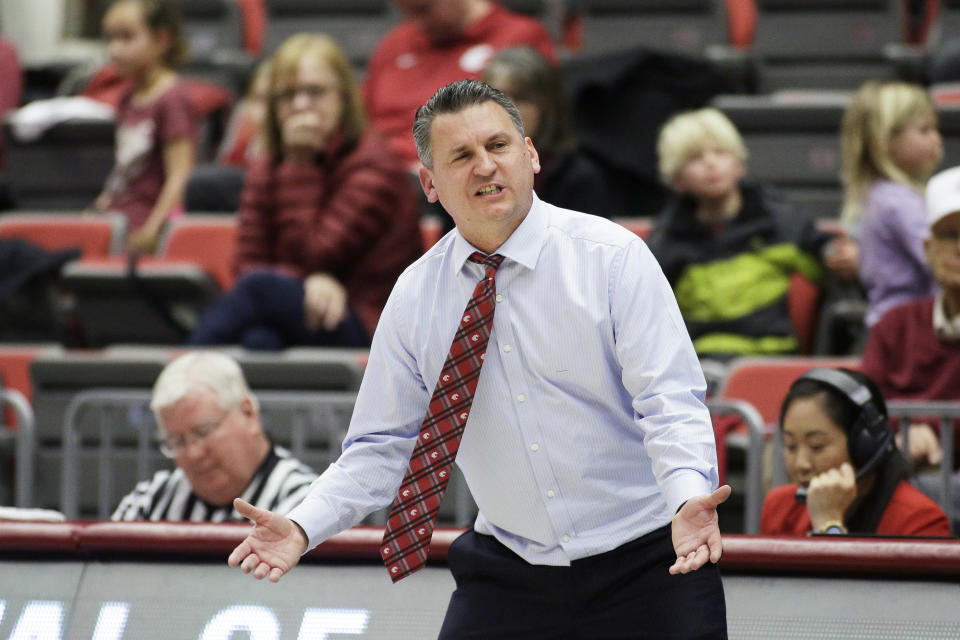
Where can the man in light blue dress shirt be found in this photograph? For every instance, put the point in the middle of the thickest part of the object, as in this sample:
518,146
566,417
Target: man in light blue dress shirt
589,450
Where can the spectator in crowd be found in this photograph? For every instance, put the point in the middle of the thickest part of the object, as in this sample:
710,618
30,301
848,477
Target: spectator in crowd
847,474
439,41
913,351
217,186
155,124
568,178
210,427
243,142
729,248
890,146
327,221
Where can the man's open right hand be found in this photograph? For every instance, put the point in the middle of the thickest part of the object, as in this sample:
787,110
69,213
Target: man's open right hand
272,548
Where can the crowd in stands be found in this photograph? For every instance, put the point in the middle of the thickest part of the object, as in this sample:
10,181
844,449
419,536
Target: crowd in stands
317,167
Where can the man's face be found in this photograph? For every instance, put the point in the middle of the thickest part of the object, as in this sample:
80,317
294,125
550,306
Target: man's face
482,171
943,251
220,464
441,20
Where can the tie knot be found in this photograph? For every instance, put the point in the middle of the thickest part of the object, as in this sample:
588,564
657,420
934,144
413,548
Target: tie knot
491,262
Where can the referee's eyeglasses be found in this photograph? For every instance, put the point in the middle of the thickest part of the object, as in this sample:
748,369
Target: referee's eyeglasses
173,446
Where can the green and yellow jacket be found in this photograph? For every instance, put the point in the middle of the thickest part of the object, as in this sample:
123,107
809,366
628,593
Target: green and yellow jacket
731,281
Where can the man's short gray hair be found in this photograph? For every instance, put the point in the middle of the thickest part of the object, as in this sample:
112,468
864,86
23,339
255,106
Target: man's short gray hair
453,98
216,371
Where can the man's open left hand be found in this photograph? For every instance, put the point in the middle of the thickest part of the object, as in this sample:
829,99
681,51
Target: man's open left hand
696,531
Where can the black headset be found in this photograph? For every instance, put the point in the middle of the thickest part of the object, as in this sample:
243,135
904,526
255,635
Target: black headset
870,438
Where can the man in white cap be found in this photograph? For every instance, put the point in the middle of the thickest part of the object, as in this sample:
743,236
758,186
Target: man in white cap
913,352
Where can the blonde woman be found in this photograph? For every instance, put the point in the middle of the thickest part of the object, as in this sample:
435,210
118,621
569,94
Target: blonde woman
327,219
891,145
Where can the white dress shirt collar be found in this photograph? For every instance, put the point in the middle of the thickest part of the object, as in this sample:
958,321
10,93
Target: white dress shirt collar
946,328
524,244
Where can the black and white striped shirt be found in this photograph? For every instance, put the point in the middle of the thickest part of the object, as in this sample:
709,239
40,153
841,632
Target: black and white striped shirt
279,485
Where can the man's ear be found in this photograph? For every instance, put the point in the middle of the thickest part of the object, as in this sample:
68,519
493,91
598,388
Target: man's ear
426,183
534,156
928,250
247,408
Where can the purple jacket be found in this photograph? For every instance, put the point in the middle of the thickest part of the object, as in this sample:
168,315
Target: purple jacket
892,265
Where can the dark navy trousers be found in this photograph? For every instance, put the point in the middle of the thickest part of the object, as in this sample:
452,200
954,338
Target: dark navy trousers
624,593
265,311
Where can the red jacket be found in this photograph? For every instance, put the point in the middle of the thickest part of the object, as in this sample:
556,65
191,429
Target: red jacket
908,361
909,513
406,69
352,215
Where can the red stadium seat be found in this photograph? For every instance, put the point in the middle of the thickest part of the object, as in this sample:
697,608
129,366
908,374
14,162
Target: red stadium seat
15,362
98,235
763,382
803,303
643,227
208,241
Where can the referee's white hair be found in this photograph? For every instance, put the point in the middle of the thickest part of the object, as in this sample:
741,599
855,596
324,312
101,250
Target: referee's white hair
212,369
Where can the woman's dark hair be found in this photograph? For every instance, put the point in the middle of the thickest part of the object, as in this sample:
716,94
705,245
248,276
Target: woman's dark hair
892,469
841,409
532,77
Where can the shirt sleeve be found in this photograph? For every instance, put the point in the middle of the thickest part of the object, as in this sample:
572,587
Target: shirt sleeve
390,408
907,225
175,119
663,376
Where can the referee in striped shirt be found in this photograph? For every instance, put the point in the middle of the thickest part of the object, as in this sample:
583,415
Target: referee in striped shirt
210,427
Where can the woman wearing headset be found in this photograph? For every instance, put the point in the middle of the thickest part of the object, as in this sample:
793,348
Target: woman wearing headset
848,476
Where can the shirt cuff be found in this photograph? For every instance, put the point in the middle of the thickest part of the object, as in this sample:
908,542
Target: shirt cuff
317,520
682,485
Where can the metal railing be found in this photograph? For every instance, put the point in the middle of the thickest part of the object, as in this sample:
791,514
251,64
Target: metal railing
946,413
106,422
111,421
25,444
753,499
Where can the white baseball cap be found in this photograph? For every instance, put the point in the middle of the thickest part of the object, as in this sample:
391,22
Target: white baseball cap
943,195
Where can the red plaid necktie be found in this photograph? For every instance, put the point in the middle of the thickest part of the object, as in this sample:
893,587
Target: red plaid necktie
413,513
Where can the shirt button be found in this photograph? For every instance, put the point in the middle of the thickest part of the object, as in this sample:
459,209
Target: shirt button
534,447
565,538
507,348
499,298
521,398
550,493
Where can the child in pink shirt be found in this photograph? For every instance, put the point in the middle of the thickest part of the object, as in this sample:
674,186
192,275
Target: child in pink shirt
155,123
